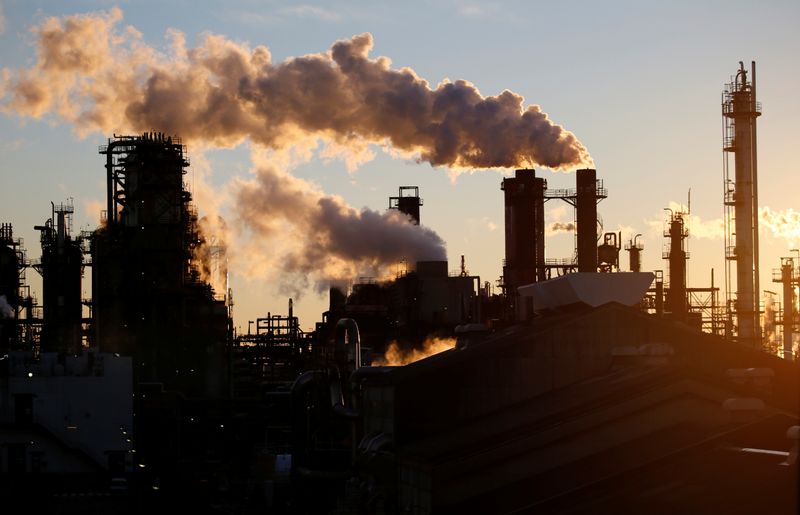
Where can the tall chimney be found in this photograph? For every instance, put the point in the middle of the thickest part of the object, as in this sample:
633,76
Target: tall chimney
586,206
407,201
524,224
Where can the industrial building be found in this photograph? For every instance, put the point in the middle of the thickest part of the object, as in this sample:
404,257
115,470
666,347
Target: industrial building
147,297
580,388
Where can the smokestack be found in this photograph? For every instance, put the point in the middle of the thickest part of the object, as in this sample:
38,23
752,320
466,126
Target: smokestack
407,202
524,222
587,195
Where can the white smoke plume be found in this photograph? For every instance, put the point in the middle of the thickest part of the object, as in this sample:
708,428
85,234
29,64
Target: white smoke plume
782,224
99,75
6,309
318,238
92,72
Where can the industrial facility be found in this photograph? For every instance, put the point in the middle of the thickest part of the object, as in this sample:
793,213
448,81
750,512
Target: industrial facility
570,384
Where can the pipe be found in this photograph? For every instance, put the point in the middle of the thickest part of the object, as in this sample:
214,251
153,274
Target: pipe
348,345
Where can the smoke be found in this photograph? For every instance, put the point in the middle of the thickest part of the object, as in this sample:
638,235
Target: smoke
395,356
560,227
317,238
93,73
6,309
97,74
210,256
783,224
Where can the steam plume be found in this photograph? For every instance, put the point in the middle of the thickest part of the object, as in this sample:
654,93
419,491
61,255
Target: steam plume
320,237
784,224
559,227
99,76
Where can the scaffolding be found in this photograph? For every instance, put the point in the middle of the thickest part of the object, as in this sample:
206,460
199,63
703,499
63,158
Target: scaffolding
272,354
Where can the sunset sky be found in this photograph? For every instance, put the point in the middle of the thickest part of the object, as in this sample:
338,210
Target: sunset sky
637,83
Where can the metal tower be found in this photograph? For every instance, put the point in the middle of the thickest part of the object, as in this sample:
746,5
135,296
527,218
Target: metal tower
739,112
789,277
408,202
677,255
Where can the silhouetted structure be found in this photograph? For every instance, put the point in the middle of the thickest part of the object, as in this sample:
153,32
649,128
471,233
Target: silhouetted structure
524,196
589,193
9,287
148,299
789,277
61,268
739,112
407,201
676,255
635,248
608,252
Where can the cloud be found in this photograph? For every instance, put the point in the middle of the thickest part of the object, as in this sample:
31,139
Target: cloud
470,11
2,20
312,11
12,146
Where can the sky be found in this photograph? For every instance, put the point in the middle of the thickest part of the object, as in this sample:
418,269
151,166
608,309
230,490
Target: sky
636,84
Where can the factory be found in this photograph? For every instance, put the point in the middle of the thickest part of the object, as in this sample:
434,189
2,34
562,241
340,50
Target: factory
579,385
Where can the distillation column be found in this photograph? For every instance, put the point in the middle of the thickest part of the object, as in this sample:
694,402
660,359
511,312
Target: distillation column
740,111
786,276
677,257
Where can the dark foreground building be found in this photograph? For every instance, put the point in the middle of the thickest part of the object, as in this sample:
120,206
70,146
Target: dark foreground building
603,410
